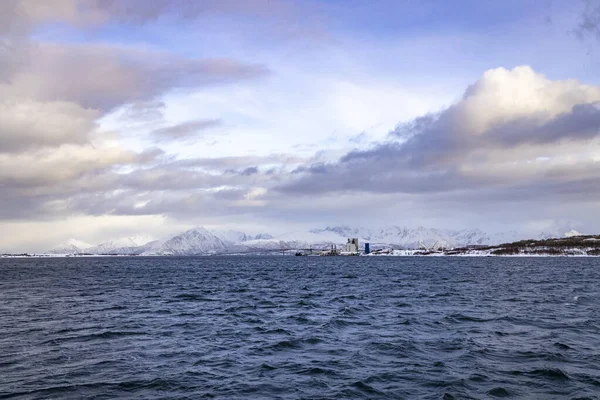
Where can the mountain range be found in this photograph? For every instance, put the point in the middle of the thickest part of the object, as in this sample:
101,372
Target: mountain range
201,241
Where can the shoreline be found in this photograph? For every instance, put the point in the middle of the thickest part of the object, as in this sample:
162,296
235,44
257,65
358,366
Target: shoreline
407,254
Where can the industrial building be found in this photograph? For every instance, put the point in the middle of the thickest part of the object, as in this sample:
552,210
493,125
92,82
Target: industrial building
352,245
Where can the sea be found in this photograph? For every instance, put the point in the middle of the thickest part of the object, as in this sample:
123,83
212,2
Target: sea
280,327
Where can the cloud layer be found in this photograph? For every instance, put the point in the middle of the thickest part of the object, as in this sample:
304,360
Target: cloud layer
53,150
512,128
109,111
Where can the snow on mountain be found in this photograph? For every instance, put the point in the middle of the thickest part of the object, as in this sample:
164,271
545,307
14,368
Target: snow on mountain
506,237
231,236
235,237
572,233
558,234
296,240
71,246
557,229
313,237
128,245
270,244
196,241
261,236
401,237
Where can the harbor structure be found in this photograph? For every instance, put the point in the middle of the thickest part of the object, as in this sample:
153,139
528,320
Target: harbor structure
332,252
367,248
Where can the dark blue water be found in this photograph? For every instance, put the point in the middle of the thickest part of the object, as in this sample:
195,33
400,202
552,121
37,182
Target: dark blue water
300,328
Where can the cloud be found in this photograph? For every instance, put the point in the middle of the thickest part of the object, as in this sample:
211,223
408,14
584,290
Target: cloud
53,170
23,14
589,24
142,11
40,184
71,179
52,95
143,111
103,76
229,163
19,16
185,130
581,123
32,124
22,236
249,171
511,129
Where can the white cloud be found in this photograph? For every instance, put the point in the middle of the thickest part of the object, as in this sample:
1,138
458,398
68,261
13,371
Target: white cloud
26,124
502,96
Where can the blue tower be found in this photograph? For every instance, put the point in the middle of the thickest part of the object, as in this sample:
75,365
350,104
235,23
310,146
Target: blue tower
367,248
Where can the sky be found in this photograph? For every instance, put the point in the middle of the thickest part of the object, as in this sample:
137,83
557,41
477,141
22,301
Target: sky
128,117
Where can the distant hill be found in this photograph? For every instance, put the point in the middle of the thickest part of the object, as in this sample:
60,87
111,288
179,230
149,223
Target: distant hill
580,245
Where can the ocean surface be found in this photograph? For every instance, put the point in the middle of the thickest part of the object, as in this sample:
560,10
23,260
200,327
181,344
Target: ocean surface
300,328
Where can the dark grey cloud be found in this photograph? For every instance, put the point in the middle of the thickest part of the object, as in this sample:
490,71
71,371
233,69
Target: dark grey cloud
589,24
186,130
143,111
249,171
581,123
443,138
315,168
383,169
12,56
33,207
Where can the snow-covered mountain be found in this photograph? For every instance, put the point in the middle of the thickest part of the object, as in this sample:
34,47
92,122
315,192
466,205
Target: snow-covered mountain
71,246
128,245
238,237
572,233
201,241
401,237
296,240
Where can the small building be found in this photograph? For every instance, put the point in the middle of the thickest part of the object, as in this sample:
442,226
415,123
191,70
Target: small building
352,245
332,252
367,248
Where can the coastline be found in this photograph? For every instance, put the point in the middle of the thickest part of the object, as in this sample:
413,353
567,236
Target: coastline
397,253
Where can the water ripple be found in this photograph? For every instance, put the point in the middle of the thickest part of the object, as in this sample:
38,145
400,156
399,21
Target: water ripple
299,327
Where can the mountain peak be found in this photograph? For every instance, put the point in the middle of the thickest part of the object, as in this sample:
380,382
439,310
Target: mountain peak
71,246
572,233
